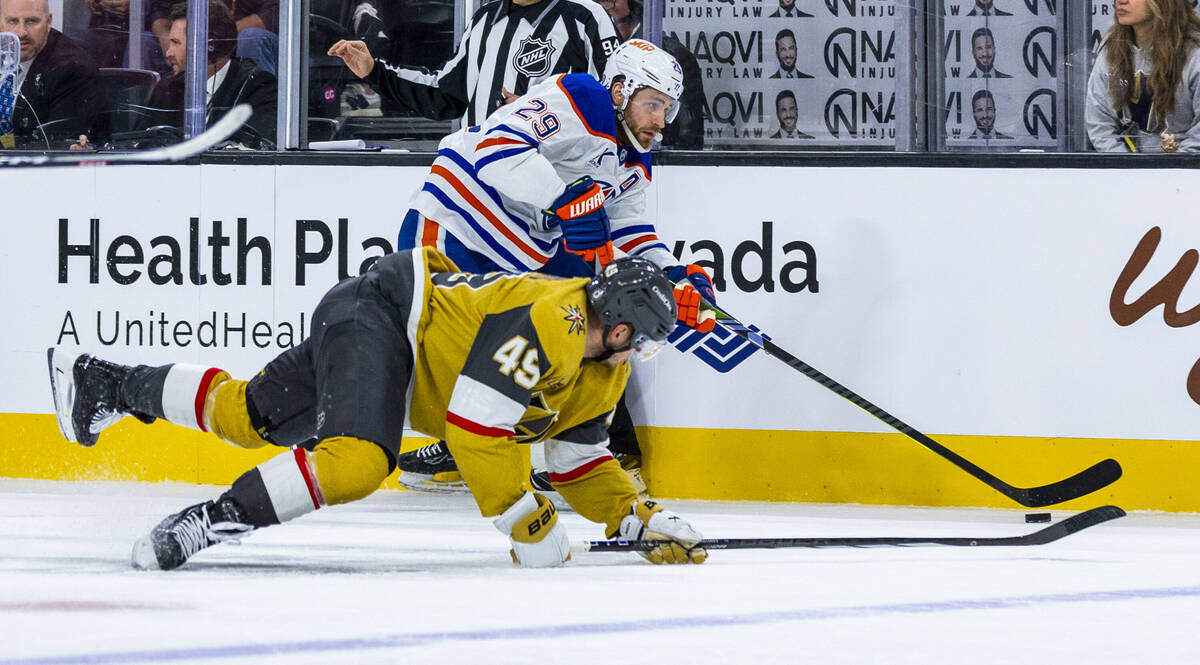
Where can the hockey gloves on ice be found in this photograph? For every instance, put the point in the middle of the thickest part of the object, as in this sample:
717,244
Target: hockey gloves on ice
538,540
691,285
648,521
579,211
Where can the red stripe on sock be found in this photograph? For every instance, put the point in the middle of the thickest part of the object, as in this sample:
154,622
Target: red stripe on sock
474,427
202,394
314,490
579,470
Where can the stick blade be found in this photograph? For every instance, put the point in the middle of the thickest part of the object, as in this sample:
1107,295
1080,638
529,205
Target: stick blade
1096,477
1073,524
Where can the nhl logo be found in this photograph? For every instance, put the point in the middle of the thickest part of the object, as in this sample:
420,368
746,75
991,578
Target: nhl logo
533,56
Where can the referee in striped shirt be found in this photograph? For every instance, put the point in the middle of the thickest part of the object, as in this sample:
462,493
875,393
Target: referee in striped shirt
509,46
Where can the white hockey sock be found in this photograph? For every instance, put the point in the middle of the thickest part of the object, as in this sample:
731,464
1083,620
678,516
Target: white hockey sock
183,394
291,484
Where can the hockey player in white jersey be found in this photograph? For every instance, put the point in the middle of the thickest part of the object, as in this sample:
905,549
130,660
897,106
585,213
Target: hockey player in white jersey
567,164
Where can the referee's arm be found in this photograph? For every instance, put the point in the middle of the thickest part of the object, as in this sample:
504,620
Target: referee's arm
440,96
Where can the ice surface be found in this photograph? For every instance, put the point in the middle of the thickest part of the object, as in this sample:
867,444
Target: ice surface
403,577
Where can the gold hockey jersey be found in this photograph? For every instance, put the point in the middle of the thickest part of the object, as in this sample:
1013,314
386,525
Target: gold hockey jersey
498,362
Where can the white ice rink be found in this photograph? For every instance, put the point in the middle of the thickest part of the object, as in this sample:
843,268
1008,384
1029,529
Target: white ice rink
417,578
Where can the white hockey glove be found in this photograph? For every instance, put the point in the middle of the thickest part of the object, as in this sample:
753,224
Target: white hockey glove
648,521
538,540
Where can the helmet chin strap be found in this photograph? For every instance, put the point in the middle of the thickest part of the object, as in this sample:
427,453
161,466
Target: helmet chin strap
637,145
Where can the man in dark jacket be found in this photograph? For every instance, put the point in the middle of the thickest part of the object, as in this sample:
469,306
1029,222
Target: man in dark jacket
231,80
59,91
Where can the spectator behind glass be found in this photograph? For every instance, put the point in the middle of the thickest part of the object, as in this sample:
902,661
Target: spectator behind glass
59,93
107,37
687,131
331,21
257,24
1144,90
231,80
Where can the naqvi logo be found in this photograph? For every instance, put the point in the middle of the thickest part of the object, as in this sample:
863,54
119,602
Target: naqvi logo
720,349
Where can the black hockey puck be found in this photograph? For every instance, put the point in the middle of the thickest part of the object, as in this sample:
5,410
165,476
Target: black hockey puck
1033,518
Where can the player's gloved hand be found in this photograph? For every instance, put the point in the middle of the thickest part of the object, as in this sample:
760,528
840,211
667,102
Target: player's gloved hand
538,541
579,211
692,284
697,277
648,521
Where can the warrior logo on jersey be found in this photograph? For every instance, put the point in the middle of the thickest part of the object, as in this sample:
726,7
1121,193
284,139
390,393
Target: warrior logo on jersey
533,56
575,318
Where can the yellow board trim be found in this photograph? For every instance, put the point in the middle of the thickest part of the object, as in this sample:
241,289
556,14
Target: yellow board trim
32,447
891,469
682,463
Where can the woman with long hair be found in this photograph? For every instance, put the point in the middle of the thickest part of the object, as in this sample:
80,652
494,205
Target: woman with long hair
1144,91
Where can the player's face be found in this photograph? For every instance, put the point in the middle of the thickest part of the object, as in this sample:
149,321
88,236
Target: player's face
984,50
1129,12
30,21
984,110
785,50
787,111
646,114
177,46
786,5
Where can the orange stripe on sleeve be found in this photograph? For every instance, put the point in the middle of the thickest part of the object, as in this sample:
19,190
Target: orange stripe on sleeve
449,177
489,143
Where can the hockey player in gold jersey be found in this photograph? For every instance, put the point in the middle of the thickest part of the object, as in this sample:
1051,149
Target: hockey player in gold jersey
486,362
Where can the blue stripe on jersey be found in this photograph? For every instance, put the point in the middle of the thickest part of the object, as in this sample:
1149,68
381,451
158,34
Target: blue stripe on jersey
501,154
636,229
469,169
593,102
645,248
505,128
634,157
470,219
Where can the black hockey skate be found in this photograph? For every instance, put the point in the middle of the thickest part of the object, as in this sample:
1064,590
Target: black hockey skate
181,535
430,469
540,480
87,394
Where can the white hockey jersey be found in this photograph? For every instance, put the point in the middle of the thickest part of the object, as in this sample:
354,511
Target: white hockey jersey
491,182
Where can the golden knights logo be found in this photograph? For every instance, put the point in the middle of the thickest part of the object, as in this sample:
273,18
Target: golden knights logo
575,318
536,421
533,56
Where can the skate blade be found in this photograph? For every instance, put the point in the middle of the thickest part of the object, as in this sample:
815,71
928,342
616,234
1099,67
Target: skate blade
450,481
62,386
143,557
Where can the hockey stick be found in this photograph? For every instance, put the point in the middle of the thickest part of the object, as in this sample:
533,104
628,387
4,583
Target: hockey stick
1085,482
220,130
1040,537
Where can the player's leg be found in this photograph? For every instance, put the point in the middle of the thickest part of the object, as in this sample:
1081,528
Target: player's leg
91,393
357,367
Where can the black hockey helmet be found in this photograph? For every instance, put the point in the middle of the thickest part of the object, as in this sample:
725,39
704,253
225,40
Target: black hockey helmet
633,290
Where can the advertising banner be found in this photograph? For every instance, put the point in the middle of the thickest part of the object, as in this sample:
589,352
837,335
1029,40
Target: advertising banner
1054,309
785,74
1002,64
